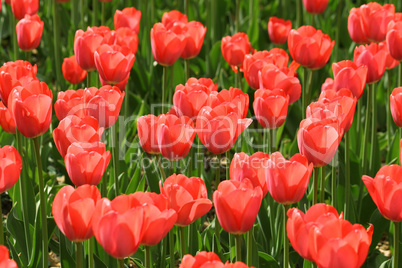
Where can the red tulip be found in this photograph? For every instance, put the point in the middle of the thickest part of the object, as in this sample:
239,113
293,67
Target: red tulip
5,260
175,136
329,93
72,72
351,76
329,85
187,196
374,58
203,258
85,45
250,167
235,48
125,37
147,133
31,107
14,74
129,17
396,105
169,18
375,19
20,8
76,129
271,107
86,163
70,102
10,166
278,30
315,6
355,27
237,205
390,62
309,47
29,32
194,38
218,128
188,99
394,39
318,140
104,104
73,210
234,95
118,225
167,46
287,180
6,120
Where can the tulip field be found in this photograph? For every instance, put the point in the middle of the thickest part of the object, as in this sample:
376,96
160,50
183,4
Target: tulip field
260,133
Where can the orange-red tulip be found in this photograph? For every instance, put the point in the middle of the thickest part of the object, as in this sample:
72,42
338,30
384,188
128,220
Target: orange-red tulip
7,122
375,19
351,76
5,260
394,39
278,30
396,105
234,96
147,133
72,72
169,18
10,166
315,6
271,107
129,17
29,32
125,37
73,210
309,47
194,37
187,196
20,8
374,58
390,62
235,48
85,45
355,27
287,180
202,258
70,102
237,204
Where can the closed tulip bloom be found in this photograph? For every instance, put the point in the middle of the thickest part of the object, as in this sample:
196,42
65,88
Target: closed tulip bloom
86,162
234,95
73,210
394,39
250,167
287,180
129,17
309,47
76,129
237,205
118,225
147,126
31,107
218,128
385,189
29,32
175,136
85,45
396,105
235,48
104,104
351,76
271,107
374,58
5,260
278,30
125,37
72,72
14,74
194,39
329,93
169,18
187,196
202,258
20,8
329,85
167,46
390,62
315,6
10,167
375,19
355,27
318,140
237,264
7,122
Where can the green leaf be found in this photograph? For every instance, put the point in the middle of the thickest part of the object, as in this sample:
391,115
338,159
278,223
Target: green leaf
266,260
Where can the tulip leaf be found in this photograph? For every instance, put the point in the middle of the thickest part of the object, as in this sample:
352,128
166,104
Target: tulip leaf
66,256
266,260
16,229
386,264
393,152
98,262
152,176
381,225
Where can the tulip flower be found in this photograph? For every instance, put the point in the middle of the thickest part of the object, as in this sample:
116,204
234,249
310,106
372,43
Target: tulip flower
396,106
235,48
7,122
315,6
187,196
11,166
5,260
20,8
287,180
118,225
86,162
234,96
202,258
169,18
355,27
390,62
188,99
147,133
129,17
29,32
73,210
218,128
250,167
72,72
167,46
104,104
271,107
85,45
76,129
329,85
309,47
125,37
394,39
236,205
278,30
31,107
175,136
375,19
14,74
194,38
351,76
374,58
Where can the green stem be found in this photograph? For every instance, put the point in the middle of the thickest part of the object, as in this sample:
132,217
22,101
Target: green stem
91,263
121,263
333,181
312,20
28,56
82,12
88,80
164,87
304,91
400,75
187,69
217,181
190,161
182,242
1,224
322,191
115,157
79,255
228,160
299,14
388,110
285,239
347,176
14,36
315,185
103,13
95,12
373,125
148,261
171,248
269,141
337,29
309,86
273,140
359,121
199,158
162,171
42,203
237,22
238,247
56,37
396,245
186,7
250,247
74,13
